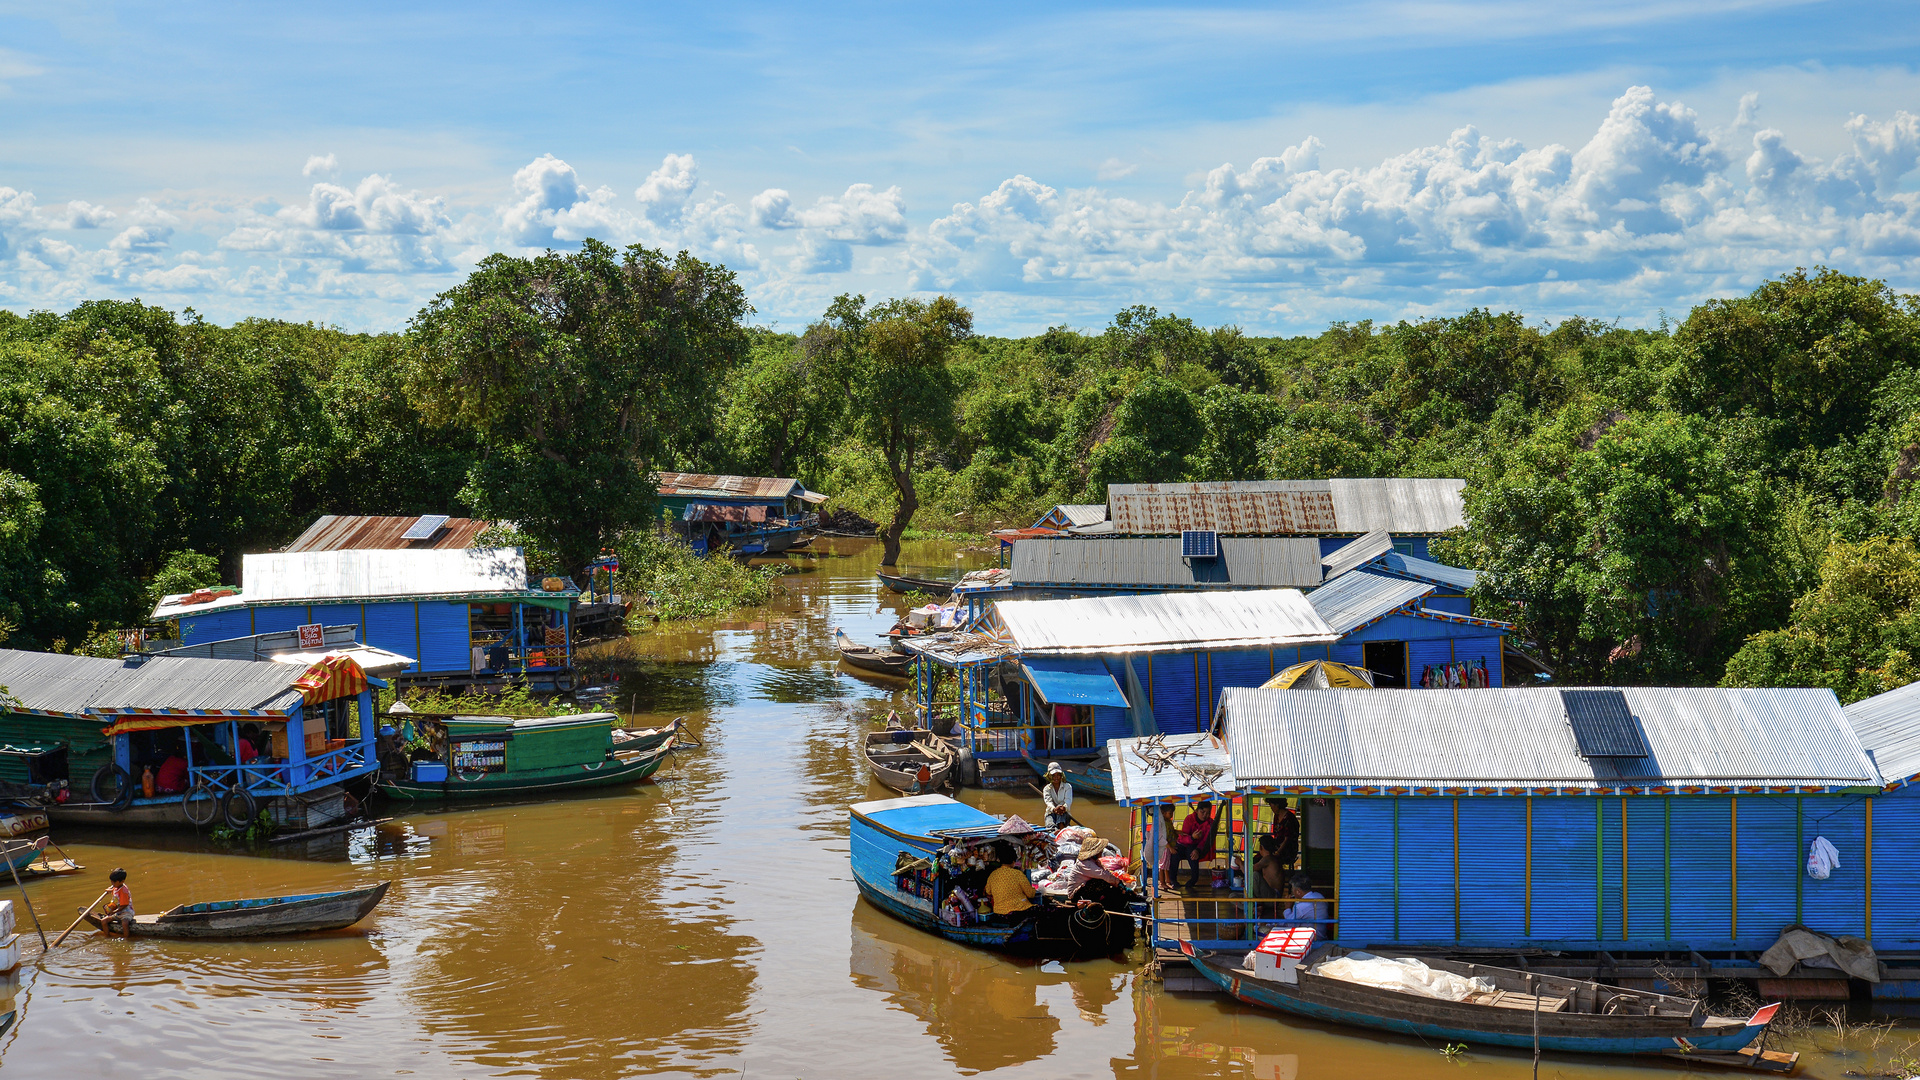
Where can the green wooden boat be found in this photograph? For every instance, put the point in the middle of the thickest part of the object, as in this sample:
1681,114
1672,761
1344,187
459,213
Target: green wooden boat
508,757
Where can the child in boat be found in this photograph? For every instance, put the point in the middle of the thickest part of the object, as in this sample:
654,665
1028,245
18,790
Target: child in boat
119,911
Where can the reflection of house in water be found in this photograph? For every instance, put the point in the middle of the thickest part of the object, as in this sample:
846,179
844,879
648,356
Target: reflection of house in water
1170,1032
984,1012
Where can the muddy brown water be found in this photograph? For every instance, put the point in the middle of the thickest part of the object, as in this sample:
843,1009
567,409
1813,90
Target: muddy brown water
704,925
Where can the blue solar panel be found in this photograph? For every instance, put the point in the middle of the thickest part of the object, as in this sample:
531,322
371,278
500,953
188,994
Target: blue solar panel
1603,726
1199,544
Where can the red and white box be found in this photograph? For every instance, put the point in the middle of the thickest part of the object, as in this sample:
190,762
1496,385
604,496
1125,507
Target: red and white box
1278,956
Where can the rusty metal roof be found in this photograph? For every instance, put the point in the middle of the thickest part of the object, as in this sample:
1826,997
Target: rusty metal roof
1288,507
714,486
349,532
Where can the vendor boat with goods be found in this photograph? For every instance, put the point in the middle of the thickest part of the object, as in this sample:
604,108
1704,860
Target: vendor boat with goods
1480,1005
513,757
932,862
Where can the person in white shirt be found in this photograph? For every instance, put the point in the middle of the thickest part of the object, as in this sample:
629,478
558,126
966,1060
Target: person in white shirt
1302,912
1058,795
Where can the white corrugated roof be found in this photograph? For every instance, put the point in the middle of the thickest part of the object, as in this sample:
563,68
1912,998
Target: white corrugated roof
1357,551
76,684
1163,622
1696,736
365,575
1888,725
1138,778
1358,597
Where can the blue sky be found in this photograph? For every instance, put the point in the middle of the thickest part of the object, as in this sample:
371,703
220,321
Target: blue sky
1276,166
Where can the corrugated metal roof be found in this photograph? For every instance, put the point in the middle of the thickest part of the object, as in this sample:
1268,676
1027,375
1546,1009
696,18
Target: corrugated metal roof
1286,507
341,532
1888,725
76,684
1357,551
1358,597
1163,622
295,576
1071,514
1428,570
261,646
1138,780
712,485
1511,740
1155,562
955,648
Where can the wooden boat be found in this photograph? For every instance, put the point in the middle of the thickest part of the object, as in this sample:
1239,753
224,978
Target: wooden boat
1087,777
508,757
626,740
1574,1017
266,916
32,859
890,843
896,756
902,583
868,658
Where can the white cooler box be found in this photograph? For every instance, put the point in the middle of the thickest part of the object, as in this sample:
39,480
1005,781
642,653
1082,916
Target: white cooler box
1278,956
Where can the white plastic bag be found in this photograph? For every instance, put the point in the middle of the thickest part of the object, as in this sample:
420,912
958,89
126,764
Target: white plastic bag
1822,859
1406,975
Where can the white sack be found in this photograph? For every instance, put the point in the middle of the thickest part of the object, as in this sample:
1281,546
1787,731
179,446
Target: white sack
1406,975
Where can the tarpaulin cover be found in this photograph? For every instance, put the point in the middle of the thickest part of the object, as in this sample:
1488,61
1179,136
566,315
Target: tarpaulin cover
1073,680
337,676
710,512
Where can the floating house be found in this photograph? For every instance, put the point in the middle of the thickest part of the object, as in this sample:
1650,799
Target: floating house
1606,822
1073,516
101,724
1414,511
469,616
744,514
286,647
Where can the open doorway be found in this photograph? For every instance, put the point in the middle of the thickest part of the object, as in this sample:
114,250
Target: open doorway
1388,662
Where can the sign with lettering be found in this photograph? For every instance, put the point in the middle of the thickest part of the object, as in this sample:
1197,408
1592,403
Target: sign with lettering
312,636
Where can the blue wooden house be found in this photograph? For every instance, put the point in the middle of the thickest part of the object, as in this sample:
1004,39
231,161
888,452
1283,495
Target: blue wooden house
1604,821
750,515
99,725
469,617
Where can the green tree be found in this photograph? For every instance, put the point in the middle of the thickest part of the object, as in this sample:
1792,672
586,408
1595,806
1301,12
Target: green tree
1234,425
1856,633
778,410
1155,428
894,361
575,371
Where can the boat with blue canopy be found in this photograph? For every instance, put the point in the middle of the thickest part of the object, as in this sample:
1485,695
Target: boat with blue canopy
925,859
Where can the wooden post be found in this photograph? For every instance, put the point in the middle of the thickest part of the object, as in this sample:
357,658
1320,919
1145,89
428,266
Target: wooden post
23,899
1868,863
1535,990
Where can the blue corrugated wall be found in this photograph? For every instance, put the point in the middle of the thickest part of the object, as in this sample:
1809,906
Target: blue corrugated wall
1110,723
1646,869
445,639
392,626
1426,870
1838,904
267,620
1896,861
1493,869
1366,894
215,626
1769,868
1175,707
1563,894
1702,870
335,615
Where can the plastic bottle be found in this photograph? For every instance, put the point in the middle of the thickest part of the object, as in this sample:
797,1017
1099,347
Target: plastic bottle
146,782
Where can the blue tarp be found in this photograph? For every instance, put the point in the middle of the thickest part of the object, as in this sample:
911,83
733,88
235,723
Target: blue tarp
1074,680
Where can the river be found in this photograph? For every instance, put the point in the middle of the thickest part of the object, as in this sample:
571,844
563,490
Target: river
703,925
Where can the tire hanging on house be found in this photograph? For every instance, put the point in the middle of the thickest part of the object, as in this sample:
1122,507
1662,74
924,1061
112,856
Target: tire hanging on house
239,808
122,796
200,804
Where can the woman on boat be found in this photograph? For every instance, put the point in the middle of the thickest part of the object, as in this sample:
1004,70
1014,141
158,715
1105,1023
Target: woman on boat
1058,796
1007,887
1194,844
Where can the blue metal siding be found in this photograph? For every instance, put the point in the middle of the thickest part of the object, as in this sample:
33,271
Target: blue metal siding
1452,605
1249,668
1350,652
1365,894
1424,654
215,626
1896,866
1110,723
1426,870
335,615
1493,868
1563,869
391,626
1838,904
1174,704
1607,818
1480,650
1646,870
267,620
1702,868
445,643
1769,868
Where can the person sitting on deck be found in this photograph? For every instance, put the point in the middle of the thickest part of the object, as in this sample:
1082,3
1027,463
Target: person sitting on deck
1010,890
246,748
1304,913
119,910
1269,870
1193,843
1058,796
171,778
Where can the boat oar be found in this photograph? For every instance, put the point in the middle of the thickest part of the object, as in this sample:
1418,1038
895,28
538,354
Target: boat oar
1043,795
11,869
76,922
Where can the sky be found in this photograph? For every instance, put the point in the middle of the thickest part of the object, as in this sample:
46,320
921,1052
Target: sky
1278,167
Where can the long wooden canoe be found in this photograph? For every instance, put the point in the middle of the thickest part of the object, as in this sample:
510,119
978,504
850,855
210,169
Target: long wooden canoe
619,767
896,756
903,583
868,658
1573,1016
265,916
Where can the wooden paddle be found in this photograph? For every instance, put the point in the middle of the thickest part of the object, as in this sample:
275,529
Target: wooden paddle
76,922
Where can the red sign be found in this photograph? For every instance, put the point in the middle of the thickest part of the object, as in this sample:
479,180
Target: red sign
312,636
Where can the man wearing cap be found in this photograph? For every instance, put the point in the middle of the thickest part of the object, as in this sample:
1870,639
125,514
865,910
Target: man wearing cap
1058,795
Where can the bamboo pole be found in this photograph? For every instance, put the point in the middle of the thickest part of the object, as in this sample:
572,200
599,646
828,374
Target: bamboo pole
23,899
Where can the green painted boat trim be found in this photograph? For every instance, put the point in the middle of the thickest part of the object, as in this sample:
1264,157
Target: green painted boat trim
567,778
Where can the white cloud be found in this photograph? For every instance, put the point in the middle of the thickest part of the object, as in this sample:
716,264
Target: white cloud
664,195
1115,169
143,238
83,215
862,215
319,164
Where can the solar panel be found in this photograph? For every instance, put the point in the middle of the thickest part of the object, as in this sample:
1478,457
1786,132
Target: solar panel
1602,724
425,527
1199,544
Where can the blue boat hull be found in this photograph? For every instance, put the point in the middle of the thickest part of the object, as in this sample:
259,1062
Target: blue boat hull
1609,1037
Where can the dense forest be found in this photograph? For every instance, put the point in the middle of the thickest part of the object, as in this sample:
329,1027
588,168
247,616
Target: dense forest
1729,498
